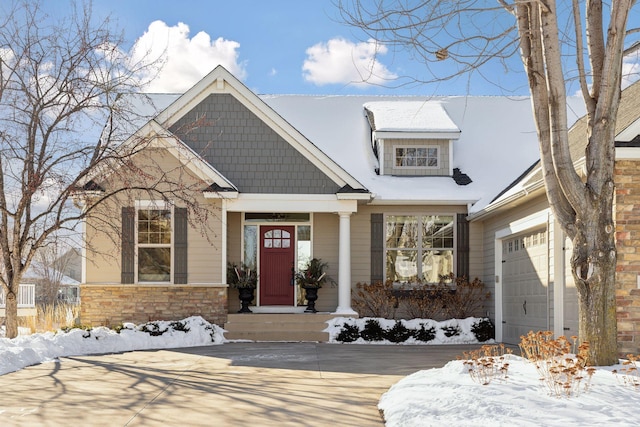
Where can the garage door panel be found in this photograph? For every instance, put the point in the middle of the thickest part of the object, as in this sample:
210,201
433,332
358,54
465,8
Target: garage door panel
524,273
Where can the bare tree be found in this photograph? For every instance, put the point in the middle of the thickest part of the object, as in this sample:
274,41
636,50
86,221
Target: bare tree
457,37
60,79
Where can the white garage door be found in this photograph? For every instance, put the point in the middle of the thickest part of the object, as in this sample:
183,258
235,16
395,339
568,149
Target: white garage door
524,286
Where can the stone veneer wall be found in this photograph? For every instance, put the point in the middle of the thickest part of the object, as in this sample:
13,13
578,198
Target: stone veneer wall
110,305
627,216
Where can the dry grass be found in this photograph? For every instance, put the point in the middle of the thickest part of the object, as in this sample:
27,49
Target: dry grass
487,363
562,369
51,317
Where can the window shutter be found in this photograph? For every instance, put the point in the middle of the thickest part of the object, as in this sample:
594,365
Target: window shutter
180,246
128,245
462,246
377,248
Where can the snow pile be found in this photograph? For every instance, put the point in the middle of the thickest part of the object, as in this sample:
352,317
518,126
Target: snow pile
449,397
462,329
29,350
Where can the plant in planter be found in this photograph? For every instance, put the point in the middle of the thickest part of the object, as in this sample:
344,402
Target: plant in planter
245,279
311,278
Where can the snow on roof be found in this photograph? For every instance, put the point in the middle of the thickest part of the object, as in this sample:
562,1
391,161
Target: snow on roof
410,116
497,139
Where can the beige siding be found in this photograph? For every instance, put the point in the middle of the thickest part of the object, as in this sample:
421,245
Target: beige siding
325,246
103,229
389,157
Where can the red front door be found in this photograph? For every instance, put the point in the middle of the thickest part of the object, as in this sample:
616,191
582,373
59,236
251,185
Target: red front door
276,264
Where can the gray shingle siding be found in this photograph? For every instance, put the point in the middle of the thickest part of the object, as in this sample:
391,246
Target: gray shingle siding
247,151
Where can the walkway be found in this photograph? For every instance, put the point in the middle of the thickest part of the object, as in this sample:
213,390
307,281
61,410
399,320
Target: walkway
237,384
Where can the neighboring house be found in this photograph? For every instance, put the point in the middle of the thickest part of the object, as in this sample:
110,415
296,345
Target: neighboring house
380,187
51,284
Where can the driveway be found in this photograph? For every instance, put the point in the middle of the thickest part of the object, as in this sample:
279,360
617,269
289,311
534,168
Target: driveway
235,384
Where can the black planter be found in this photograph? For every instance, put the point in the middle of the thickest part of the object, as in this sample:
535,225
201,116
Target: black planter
311,294
246,296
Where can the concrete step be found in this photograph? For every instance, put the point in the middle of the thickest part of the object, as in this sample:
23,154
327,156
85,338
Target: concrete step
278,327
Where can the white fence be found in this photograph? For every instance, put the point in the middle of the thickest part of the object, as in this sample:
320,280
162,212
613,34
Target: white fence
26,297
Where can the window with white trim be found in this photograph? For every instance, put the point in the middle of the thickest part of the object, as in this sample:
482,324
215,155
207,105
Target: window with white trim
419,248
153,242
418,156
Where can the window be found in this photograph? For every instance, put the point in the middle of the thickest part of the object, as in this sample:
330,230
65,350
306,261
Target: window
154,231
419,247
417,157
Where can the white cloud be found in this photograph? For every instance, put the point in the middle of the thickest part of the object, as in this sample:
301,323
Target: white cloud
184,60
342,61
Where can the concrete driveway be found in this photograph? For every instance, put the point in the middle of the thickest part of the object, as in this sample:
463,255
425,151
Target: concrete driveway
235,384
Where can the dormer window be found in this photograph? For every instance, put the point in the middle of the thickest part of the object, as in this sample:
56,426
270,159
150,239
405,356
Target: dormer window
407,156
412,138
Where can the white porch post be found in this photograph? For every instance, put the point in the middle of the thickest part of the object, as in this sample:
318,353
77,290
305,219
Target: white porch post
344,265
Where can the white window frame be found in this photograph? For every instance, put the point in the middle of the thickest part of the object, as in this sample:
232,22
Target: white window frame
419,249
154,205
405,146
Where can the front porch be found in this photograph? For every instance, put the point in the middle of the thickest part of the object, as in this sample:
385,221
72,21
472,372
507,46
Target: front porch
26,301
290,327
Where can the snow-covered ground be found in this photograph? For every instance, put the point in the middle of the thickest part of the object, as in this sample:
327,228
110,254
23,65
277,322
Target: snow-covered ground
27,350
450,397
438,397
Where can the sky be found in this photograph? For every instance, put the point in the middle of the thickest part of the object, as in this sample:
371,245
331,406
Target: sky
282,47
447,396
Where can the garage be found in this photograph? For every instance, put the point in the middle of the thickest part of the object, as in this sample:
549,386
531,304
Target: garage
525,285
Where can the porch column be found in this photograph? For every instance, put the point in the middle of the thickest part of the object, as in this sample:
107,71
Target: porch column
344,265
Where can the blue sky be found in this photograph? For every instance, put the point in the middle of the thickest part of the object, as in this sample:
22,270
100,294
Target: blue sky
280,47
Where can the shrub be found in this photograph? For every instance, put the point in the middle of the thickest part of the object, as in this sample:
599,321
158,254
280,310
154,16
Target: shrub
348,333
483,329
467,300
153,329
424,334
561,368
179,326
424,301
451,331
398,333
372,331
487,363
375,300
628,373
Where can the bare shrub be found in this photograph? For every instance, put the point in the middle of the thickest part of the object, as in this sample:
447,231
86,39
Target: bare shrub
561,368
375,300
467,300
487,363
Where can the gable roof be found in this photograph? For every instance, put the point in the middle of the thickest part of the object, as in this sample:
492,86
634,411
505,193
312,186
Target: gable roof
220,81
496,137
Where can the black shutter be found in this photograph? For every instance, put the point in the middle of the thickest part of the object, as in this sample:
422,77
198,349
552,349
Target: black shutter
128,245
180,246
377,248
462,246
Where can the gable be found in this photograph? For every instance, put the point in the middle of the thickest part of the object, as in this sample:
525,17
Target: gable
247,151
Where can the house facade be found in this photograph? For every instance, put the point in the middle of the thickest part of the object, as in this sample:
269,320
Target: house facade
380,188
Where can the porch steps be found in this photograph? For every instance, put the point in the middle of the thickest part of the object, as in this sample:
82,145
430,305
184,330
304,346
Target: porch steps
277,327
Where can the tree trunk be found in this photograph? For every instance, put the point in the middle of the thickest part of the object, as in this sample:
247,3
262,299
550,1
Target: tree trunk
593,265
11,314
